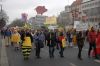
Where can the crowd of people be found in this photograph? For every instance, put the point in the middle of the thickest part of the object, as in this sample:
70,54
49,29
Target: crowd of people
25,39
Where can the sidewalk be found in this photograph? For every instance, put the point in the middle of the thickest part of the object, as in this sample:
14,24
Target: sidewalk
3,54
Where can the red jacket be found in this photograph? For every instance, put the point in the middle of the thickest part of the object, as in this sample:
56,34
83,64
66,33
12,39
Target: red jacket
98,40
92,36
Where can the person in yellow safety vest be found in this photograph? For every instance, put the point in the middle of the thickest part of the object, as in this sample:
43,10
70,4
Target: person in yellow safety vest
27,45
74,37
74,40
15,39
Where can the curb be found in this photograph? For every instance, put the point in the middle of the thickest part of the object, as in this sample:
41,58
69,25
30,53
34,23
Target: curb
4,58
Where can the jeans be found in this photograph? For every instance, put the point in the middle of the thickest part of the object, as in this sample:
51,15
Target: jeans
51,51
38,51
61,51
80,50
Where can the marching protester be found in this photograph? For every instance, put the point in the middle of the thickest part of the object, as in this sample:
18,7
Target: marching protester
39,39
52,39
27,44
92,42
62,44
7,34
69,38
15,39
51,43
80,43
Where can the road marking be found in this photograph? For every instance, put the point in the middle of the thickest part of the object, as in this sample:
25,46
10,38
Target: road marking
71,64
85,49
4,59
98,61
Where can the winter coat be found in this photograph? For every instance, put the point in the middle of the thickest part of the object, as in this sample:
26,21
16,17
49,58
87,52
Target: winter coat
8,33
51,41
92,36
80,39
39,40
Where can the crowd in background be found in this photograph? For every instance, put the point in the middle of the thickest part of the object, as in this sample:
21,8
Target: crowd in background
26,39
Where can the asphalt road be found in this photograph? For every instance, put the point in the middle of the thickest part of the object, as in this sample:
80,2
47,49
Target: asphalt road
15,58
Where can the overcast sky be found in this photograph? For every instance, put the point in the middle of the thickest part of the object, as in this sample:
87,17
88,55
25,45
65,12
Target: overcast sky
14,8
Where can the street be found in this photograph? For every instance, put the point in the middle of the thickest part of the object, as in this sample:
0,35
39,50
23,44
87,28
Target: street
35,22
15,58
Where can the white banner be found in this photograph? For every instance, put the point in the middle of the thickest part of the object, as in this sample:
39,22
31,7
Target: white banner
81,26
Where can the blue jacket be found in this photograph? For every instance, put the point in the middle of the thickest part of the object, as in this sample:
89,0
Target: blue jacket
7,33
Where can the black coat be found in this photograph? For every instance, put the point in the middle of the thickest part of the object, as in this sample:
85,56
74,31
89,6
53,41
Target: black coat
80,39
51,41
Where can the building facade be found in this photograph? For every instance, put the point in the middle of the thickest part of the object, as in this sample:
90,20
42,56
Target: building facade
65,17
87,11
37,21
76,10
92,10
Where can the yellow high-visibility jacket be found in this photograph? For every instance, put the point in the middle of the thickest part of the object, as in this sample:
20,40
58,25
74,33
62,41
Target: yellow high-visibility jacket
74,40
15,37
27,42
